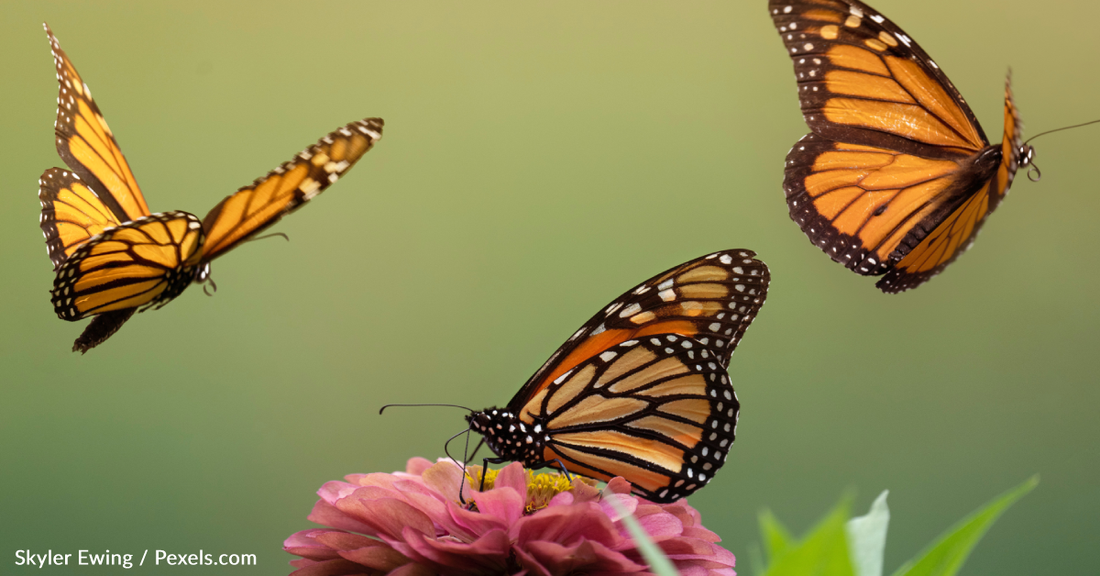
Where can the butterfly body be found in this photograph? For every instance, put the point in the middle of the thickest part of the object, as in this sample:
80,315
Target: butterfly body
113,257
897,175
642,389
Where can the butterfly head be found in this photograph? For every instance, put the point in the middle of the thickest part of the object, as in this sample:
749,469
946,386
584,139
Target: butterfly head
1026,157
202,276
508,436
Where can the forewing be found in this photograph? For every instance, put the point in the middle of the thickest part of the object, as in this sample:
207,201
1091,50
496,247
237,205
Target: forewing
658,410
72,213
139,263
711,299
286,188
862,80
87,145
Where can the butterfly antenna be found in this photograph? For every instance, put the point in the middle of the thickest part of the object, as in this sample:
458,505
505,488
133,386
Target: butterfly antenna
447,444
383,409
1027,153
1060,129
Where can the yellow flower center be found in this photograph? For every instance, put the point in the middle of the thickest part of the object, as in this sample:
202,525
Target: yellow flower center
541,488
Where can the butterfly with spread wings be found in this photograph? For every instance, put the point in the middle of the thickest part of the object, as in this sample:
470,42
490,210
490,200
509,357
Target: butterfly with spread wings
897,175
112,256
642,390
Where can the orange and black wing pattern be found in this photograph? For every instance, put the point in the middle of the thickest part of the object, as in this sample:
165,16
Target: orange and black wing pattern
642,390
957,231
286,188
71,213
712,299
895,153
87,145
146,262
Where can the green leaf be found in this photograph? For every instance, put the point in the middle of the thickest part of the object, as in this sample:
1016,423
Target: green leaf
654,556
949,552
867,538
776,537
824,552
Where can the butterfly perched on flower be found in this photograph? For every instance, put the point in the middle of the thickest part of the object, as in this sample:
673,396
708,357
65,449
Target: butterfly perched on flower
642,390
112,256
897,176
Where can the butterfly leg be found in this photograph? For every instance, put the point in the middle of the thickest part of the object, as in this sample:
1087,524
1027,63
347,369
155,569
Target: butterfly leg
550,464
485,468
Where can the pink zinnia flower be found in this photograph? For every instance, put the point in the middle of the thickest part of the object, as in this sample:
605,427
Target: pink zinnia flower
413,523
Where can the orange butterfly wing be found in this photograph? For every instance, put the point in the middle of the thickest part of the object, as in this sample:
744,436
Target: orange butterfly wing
286,188
641,390
956,233
712,299
71,213
895,151
87,145
146,262
659,411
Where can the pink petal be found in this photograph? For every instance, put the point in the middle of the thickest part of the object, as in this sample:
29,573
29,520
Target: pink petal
326,514
701,533
688,515
618,485
412,570
587,557
428,504
583,492
305,544
661,526
530,564
373,479
473,523
344,541
687,549
625,501
487,555
387,516
417,465
444,478
561,499
566,525
332,491
338,567
381,557
503,503
515,477
703,571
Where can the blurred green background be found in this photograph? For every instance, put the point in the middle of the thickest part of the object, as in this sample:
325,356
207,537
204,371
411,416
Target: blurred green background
538,160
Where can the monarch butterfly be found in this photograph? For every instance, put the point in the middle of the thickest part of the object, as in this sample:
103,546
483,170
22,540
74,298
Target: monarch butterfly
897,176
642,389
112,256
